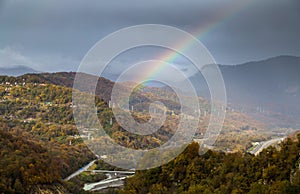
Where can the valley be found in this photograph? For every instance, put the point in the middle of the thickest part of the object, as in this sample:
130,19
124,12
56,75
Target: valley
34,107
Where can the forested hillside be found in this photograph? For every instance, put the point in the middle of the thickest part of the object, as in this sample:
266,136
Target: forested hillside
38,141
40,144
273,171
238,131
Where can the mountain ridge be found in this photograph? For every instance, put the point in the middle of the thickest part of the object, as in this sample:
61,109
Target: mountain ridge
267,89
269,86
17,70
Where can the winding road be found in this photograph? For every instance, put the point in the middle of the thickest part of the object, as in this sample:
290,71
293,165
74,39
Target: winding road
114,178
105,184
263,145
85,168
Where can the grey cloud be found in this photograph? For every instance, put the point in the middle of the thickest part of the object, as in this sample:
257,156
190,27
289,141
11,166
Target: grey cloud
67,29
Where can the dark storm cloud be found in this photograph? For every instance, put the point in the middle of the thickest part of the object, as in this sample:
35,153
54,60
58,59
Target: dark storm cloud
260,31
56,34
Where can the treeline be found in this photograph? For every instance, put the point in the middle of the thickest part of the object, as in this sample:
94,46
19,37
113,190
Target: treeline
272,171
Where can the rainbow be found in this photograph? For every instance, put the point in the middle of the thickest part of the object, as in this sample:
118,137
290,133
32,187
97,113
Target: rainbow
220,19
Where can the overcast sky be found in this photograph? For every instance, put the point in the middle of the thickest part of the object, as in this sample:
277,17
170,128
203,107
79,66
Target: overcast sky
53,35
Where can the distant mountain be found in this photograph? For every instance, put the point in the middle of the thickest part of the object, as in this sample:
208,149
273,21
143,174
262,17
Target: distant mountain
272,84
266,87
16,71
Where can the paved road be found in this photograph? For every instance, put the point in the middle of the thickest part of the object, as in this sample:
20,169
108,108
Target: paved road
104,184
85,168
115,179
115,185
108,171
264,145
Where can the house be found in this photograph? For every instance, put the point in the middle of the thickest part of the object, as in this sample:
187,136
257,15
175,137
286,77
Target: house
47,103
